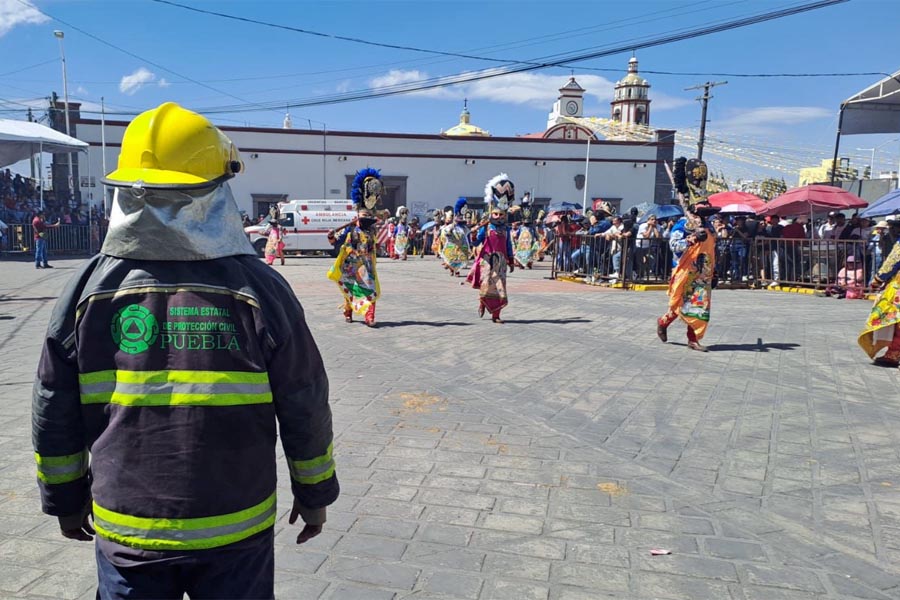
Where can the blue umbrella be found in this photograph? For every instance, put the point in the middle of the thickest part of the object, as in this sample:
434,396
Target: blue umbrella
563,206
888,204
664,211
428,225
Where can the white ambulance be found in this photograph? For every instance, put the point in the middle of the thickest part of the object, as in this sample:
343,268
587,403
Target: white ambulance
306,225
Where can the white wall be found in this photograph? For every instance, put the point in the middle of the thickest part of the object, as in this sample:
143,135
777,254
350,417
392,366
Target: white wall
437,178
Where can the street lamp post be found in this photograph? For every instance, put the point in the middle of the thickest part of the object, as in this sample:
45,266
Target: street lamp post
871,161
58,34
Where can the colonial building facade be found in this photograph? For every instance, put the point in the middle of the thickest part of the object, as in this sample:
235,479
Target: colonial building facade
425,172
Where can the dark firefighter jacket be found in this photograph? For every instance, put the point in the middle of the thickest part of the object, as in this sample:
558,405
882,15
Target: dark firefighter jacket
157,395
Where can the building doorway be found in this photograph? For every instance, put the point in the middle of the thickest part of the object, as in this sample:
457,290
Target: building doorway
263,202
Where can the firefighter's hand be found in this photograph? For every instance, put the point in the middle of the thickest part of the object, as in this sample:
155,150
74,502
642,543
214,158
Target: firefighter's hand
77,527
309,531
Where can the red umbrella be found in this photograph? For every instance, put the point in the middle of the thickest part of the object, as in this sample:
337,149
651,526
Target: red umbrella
723,199
813,198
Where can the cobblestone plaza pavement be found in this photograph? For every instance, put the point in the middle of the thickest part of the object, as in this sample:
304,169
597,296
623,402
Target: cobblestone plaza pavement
543,459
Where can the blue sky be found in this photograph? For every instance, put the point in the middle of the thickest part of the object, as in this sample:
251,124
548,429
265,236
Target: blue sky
247,63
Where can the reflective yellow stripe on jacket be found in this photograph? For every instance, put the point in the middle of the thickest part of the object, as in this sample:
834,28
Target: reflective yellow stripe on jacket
61,469
184,534
313,470
170,388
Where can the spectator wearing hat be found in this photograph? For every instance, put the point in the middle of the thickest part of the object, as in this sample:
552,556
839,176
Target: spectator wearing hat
824,230
878,244
850,280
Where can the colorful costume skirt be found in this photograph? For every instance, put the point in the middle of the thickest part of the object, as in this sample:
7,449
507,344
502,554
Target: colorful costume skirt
489,278
455,248
882,322
690,288
355,275
526,247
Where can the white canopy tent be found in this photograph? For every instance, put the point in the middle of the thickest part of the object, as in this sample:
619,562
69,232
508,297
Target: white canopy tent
22,139
875,109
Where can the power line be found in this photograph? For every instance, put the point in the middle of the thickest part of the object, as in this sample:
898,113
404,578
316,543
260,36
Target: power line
40,64
529,41
746,75
440,82
131,54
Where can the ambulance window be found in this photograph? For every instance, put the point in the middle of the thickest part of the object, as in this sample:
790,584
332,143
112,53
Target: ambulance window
287,220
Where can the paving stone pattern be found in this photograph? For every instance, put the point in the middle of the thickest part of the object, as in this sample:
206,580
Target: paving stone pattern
544,458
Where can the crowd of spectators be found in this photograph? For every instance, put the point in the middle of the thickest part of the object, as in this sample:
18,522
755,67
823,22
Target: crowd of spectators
20,199
751,250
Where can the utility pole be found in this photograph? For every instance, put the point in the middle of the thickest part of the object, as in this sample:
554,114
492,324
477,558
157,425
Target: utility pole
704,102
31,120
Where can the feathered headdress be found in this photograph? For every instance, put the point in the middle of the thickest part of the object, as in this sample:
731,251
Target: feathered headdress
460,205
402,211
690,178
367,189
499,193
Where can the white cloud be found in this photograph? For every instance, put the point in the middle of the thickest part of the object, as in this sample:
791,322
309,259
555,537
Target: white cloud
163,83
130,84
13,12
771,119
533,89
81,90
663,101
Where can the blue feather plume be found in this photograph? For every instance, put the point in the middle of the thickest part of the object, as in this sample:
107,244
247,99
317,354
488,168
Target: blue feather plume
356,189
460,204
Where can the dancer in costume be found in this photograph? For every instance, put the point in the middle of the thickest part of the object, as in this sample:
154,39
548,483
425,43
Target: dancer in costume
436,233
525,243
543,236
354,268
496,254
400,234
693,244
455,240
274,243
882,330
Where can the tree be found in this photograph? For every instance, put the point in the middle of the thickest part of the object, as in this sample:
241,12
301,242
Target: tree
771,188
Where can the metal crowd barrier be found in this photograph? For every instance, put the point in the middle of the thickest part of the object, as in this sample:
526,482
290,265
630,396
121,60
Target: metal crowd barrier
823,265
65,239
829,265
595,258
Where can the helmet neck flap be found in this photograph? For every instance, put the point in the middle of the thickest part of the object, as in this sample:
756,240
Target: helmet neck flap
177,225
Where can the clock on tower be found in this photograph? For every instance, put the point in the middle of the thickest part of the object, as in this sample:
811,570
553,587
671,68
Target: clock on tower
571,108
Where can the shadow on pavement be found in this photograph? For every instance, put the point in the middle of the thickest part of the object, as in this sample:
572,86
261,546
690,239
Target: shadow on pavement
757,347
6,317
382,324
37,299
553,321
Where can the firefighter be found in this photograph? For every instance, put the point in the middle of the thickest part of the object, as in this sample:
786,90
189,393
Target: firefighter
167,361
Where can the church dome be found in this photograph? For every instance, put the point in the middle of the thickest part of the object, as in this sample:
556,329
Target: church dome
465,127
632,78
